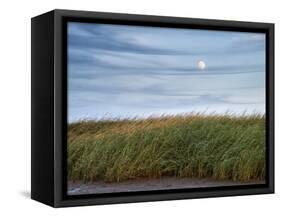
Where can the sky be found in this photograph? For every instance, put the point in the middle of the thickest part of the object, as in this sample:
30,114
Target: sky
121,71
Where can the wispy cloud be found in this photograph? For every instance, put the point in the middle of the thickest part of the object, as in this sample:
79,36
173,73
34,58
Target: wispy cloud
103,39
108,38
125,70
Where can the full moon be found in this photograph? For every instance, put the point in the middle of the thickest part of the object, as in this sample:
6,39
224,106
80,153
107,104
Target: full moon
201,65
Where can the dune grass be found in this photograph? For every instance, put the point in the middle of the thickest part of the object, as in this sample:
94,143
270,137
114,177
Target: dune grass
223,147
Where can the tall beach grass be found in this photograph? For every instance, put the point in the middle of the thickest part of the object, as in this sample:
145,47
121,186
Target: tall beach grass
223,147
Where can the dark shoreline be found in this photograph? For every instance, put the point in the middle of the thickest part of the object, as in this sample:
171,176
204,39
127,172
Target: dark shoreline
164,183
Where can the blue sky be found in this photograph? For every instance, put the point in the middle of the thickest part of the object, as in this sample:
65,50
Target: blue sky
127,71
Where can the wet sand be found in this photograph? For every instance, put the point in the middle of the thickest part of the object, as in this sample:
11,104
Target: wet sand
77,188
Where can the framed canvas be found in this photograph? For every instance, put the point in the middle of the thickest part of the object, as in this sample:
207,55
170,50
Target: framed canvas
133,108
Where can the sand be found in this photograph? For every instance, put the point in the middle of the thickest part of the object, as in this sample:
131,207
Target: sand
77,188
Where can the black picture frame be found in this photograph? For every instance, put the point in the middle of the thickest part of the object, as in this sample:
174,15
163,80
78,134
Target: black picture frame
49,107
